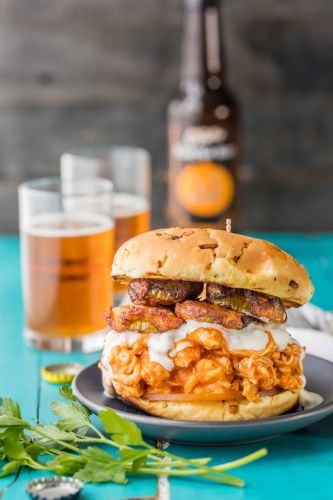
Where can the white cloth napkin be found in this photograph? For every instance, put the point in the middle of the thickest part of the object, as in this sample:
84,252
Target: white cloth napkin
313,328
311,316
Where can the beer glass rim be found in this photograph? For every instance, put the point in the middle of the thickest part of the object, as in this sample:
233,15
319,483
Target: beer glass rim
101,150
52,186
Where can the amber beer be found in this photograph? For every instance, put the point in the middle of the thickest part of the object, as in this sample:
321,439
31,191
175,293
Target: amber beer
132,217
203,127
129,169
66,261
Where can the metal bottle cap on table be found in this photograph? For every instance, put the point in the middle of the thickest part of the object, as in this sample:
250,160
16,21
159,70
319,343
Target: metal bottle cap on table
54,488
60,373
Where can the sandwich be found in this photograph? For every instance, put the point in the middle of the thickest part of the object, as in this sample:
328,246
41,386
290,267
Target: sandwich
204,336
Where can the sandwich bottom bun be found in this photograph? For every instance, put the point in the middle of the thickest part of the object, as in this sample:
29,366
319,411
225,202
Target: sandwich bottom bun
241,409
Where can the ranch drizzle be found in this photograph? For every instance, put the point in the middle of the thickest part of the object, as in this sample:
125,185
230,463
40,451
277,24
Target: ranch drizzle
161,346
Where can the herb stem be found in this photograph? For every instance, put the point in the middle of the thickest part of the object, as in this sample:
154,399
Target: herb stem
103,440
35,465
242,461
176,463
159,461
101,435
207,470
58,441
225,479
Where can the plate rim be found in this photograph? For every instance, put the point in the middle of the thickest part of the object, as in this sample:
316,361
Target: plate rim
323,409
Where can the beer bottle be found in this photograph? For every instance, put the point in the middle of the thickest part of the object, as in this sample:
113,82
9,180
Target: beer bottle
203,127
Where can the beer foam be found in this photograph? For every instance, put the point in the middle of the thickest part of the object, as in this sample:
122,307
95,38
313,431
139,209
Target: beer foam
126,205
66,224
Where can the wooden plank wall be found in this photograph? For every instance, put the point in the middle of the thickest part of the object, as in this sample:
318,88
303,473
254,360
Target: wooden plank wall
82,72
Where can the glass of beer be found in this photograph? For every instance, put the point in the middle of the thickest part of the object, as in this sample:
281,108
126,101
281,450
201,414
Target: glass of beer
67,239
129,169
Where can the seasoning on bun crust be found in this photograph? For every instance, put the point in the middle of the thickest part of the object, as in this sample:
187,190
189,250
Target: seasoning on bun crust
204,338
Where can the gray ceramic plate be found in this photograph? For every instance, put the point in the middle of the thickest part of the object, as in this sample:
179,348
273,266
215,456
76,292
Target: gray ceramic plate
87,387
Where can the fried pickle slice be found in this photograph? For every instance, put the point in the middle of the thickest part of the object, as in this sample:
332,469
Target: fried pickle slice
258,305
150,292
212,313
142,319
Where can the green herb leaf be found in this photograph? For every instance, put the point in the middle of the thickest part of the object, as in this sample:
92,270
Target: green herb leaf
9,421
10,408
54,433
72,416
138,464
13,448
35,450
101,467
123,431
66,464
138,458
130,454
67,393
11,467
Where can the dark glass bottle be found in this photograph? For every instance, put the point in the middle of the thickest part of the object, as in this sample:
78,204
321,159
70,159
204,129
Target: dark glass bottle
203,127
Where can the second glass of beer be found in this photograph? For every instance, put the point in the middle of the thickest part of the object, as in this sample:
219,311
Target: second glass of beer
129,169
67,239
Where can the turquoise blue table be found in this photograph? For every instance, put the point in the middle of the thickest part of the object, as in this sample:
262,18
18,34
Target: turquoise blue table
299,465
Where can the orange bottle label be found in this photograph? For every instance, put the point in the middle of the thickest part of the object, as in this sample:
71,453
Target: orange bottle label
205,189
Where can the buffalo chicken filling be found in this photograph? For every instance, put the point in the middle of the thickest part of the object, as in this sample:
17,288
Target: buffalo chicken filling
204,365
207,366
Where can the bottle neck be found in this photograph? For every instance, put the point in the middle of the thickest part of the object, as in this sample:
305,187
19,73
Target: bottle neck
202,58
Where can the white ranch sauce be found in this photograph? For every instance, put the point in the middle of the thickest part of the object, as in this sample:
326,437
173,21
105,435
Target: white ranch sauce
251,337
280,335
161,345
309,399
113,338
180,347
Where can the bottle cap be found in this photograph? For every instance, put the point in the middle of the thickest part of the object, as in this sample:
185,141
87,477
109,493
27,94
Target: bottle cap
55,488
60,373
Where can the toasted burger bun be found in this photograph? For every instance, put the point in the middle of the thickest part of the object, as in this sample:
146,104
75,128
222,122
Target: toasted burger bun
213,255
241,409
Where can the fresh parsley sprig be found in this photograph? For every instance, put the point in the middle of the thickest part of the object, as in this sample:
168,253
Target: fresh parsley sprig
74,446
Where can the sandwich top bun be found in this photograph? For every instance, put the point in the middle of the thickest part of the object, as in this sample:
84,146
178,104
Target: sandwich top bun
267,406
213,255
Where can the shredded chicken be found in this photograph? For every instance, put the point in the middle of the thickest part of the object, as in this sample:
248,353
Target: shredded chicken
206,366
